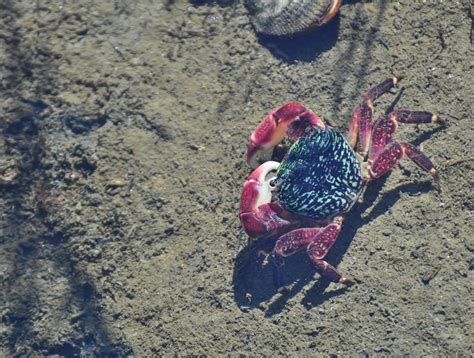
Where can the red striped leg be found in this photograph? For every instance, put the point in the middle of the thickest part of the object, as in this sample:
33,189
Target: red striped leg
406,116
360,127
331,273
393,153
318,242
365,127
354,128
382,88
385,127
320,246
295,240
287,245
382,134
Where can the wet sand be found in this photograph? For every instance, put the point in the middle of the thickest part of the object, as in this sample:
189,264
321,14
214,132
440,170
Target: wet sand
122,159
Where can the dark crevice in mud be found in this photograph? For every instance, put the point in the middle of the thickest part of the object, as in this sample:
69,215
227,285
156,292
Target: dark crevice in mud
64,350
81,123
160,130
85,166
29,236
83,348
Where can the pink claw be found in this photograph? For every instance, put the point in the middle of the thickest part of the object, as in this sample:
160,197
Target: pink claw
256,191
289,120
258,216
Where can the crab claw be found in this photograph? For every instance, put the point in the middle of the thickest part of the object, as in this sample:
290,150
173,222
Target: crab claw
289,120
256,190
258,216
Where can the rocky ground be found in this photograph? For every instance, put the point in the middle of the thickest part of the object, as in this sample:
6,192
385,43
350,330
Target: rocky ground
124,129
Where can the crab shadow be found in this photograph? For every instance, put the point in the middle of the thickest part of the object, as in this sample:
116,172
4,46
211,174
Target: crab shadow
253,278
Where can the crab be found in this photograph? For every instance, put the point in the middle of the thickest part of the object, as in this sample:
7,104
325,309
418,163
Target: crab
302,201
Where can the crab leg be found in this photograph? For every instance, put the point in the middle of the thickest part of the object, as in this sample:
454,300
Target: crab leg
393,153
366,113
289,120
354,125
295,240
407,116
385,127
360,126
289,244
382,88
317,241
320,246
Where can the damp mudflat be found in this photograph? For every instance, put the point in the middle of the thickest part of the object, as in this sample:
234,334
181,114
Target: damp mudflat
124,130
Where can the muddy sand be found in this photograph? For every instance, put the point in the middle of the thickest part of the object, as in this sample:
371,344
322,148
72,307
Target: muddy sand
124,130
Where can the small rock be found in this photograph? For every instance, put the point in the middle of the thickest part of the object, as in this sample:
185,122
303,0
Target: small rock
95,199
108,268
116,183
78,208
130,295
95,253
113,187
71,177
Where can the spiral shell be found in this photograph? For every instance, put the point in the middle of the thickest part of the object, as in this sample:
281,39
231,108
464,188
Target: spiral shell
288,17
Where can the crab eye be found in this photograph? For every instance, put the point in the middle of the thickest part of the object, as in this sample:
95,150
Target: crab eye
273,182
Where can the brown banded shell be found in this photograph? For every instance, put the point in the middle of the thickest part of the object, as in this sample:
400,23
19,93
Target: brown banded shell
289,17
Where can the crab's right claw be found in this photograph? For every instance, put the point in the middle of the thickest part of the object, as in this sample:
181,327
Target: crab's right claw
289,120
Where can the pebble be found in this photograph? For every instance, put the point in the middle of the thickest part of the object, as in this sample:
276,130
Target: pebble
113,186
108,268
95,253
95,199
115,183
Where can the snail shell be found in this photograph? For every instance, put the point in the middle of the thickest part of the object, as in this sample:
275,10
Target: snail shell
288,17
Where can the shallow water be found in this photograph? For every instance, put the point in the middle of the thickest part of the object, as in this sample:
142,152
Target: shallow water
124,135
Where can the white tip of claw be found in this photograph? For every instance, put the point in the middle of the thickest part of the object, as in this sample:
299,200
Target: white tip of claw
265,169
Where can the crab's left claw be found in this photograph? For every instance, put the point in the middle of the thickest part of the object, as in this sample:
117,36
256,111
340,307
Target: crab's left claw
256,190
258,216
289,120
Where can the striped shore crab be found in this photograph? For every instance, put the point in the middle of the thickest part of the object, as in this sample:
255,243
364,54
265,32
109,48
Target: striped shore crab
303,204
